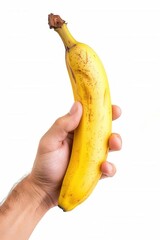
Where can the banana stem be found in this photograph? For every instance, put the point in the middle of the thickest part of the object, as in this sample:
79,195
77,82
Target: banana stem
60,26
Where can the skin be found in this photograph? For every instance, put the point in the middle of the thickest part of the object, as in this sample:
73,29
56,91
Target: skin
34,195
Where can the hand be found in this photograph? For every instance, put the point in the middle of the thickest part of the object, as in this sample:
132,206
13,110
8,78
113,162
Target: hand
54,152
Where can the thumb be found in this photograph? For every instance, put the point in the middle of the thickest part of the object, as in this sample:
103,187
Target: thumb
70,121
58,132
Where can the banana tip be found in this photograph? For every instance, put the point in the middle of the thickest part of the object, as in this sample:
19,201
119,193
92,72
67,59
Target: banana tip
62,208
55,21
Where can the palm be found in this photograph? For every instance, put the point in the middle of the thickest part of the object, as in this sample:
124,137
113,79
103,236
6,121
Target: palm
52,165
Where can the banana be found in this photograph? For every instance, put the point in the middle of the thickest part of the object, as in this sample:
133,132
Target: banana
90,144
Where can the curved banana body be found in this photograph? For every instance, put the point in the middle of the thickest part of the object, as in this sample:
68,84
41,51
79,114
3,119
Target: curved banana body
90,144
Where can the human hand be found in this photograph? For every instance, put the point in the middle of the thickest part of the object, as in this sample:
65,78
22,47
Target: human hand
54,152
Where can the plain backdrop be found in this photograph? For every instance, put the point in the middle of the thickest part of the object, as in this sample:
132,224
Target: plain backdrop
35,90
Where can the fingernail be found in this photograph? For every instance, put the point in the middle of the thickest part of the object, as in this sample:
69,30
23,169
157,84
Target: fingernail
111,170
73,109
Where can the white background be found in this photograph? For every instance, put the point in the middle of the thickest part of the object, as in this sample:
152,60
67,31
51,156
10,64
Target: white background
35,90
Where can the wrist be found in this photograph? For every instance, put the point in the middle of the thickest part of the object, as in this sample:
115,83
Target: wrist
38,194
22,210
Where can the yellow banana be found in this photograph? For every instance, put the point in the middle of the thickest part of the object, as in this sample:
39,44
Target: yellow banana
90,144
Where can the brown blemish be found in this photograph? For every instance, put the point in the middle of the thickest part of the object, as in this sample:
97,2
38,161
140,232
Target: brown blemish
86,58
71,71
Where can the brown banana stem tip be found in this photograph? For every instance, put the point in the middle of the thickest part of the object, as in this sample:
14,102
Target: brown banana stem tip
55,21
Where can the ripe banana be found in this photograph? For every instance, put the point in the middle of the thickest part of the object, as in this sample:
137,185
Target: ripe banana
90,144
